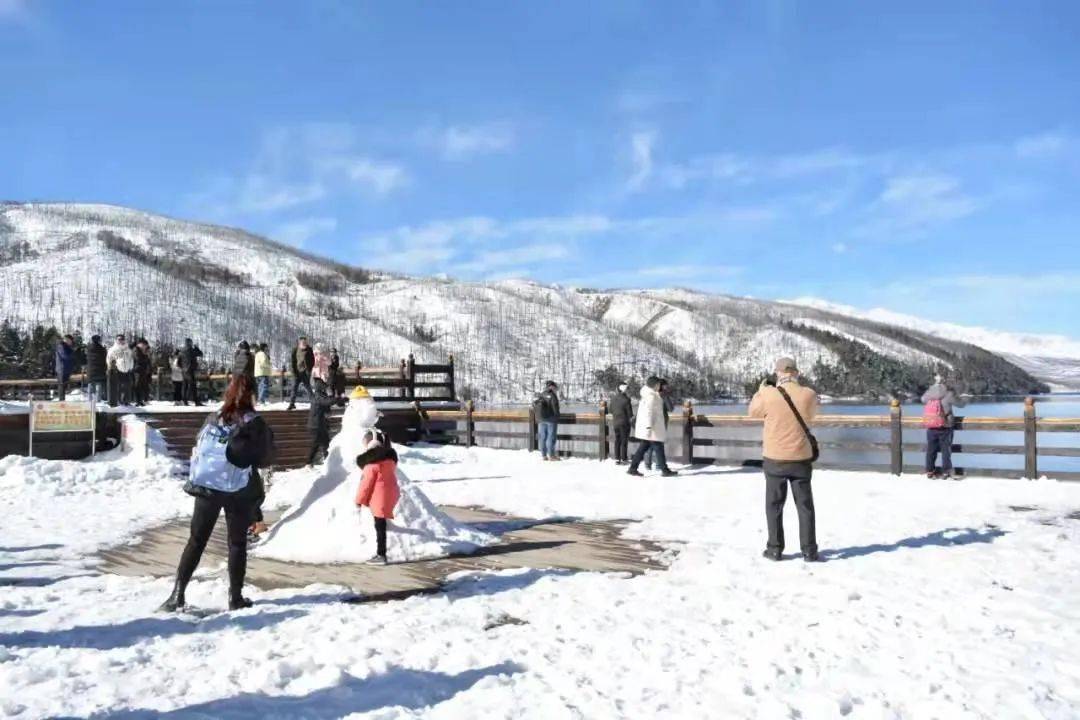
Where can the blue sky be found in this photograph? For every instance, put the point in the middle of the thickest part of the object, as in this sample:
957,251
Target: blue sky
923,157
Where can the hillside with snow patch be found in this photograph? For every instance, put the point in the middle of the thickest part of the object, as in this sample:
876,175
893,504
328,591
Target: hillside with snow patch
104,269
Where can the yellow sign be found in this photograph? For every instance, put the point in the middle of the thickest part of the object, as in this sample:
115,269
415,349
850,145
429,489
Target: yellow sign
61,417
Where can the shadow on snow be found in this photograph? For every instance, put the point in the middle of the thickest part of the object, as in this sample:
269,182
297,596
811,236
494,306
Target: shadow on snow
397,687
942,538
111,637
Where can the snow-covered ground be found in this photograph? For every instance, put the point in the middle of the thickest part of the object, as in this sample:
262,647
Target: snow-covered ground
938,599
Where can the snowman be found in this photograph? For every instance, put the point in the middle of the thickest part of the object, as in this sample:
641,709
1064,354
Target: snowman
327,527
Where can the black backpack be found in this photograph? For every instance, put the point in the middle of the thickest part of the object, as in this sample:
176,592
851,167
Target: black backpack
542,408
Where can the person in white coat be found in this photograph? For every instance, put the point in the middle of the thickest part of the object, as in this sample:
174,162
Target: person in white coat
650,429
120,361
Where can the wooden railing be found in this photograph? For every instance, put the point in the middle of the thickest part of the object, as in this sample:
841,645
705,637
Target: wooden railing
685,435
403,380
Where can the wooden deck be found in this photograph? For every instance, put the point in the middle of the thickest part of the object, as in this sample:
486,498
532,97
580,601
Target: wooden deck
571,545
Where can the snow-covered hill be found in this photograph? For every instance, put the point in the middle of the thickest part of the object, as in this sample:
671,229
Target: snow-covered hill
1052,358
104,269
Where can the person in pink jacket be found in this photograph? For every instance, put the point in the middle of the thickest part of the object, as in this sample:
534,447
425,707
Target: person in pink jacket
378,488
321,370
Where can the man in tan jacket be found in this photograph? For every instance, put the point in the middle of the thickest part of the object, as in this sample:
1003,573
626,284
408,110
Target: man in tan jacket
787,454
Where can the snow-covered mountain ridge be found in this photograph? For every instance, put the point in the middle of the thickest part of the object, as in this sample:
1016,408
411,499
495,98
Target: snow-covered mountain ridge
1052,358
104,269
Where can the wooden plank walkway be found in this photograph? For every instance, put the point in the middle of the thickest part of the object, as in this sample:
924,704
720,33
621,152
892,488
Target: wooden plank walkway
525,543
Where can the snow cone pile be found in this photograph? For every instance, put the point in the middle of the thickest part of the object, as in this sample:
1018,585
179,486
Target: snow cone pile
327,527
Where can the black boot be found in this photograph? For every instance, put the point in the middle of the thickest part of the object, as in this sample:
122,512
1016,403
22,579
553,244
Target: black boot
239,602
175,601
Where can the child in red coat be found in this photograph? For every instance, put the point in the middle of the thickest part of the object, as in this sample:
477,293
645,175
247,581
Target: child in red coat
378,488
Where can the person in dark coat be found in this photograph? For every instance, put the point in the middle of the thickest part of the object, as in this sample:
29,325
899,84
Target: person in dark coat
143,371
244,360
96,374
622,420
319,419
547,416
337,377
302,361
65,364
189,365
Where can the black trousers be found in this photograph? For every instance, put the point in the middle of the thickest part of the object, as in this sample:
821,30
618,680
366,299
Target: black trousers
658,451
119,388
304,379
622,443
380,536
237,507
778,475
191,389
142,389
939,440
61,387
178,390
320,439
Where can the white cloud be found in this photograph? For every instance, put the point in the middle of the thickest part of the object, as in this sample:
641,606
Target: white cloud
380,177
748,169
839,248
641,159
912,204
460,142
488,261
476,246
1041,147
297,166
299,232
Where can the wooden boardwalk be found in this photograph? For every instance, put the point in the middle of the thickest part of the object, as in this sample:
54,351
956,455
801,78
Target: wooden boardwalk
571,545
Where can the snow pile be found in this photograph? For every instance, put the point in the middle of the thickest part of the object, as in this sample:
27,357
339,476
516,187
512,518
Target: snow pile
82,506
325,526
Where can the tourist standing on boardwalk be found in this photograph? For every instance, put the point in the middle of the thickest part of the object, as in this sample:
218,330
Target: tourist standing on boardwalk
938,419
788,451
668,404
320,369
650,429
319,420
189,363
142,372
302,360
176,374
231,447
121,362
263,372
622,417
65,365
96,369
546,408
244,361
337,376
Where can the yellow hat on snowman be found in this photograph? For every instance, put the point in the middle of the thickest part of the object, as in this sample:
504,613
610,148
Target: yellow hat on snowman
360,393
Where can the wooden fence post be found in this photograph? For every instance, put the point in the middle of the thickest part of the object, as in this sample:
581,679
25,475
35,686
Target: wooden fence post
602,432
403,371
450,377
688,433
532,429
1031,450
281,376
896,438
470,426
411,369
160,376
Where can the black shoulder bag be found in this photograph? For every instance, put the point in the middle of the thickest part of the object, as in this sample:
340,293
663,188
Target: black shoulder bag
815,452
